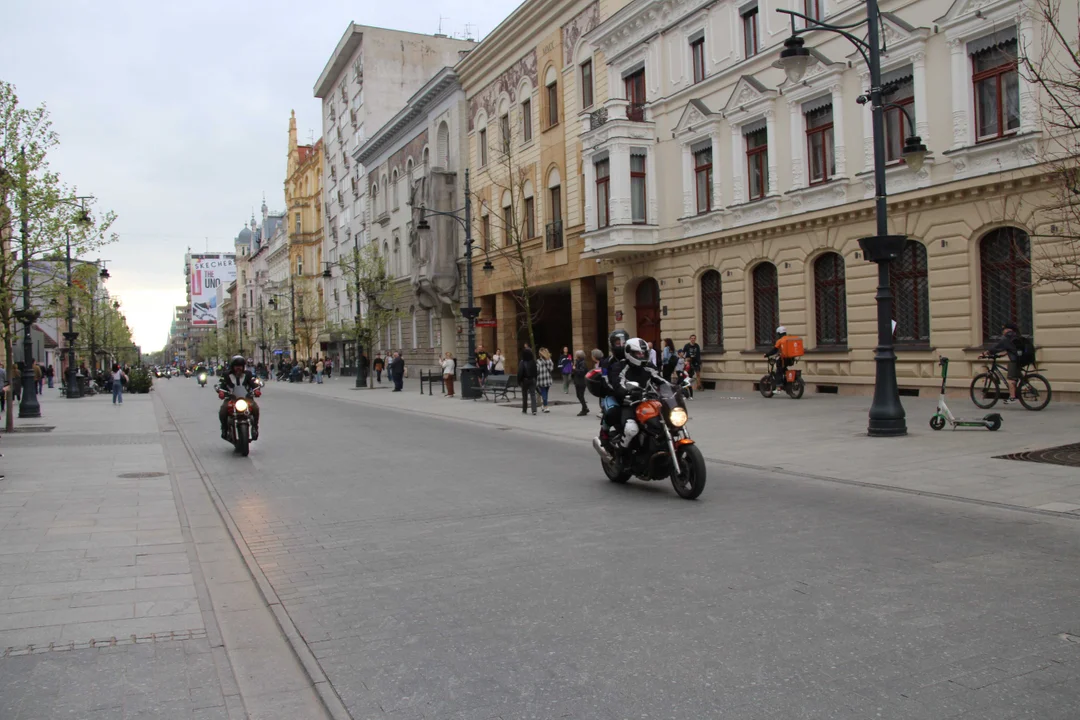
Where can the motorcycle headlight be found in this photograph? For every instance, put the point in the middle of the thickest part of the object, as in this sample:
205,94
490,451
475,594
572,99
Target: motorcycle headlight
242,406
202,376
677,417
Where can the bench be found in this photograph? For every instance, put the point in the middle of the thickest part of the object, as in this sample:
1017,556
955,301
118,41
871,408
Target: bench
500,386
433,378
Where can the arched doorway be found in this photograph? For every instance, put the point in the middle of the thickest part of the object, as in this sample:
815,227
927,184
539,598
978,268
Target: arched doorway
647,309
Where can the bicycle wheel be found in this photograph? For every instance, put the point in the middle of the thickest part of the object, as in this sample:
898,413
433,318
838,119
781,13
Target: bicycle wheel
985,390
1034,392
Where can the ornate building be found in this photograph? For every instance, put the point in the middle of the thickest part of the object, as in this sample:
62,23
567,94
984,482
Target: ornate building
304,225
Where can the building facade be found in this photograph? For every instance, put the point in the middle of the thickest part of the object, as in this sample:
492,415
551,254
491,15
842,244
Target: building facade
304,225
370,76
415,161
723,200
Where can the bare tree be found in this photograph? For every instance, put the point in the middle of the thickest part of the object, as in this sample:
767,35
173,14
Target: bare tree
309,320
1055,70
367,276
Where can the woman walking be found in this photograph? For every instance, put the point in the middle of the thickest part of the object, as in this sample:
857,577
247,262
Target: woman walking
378,366
118,379
448,368
544,366
579,371
566,369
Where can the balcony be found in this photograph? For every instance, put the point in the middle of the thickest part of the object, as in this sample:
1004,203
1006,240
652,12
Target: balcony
635,112
618,119
553,234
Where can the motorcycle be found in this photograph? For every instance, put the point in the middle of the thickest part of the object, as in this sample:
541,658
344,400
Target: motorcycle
238,421
793,383
662,449
202,379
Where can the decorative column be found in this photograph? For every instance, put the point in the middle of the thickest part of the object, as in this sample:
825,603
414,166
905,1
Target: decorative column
798,139
961,81
770,138
738,165
918,81
717,185
839,151
688,181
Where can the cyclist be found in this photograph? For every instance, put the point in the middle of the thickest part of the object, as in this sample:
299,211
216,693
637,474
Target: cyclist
1012,343
782,363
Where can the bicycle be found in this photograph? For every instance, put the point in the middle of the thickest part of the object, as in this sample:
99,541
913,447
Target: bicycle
1032,389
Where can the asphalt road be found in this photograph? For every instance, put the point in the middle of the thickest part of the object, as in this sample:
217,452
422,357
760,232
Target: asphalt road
447,570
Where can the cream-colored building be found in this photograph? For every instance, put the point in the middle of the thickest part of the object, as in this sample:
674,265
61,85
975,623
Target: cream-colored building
304,224
724,200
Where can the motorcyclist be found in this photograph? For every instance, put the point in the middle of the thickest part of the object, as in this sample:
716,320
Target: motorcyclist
782,363
240,383
635,368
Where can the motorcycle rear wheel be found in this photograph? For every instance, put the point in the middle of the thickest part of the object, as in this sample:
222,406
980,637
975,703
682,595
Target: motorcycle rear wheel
243,441
796,389
615,471
689,483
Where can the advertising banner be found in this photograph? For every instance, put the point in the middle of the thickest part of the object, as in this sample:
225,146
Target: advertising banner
209,278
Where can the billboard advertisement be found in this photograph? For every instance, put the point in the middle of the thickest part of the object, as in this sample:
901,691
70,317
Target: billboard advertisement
209,277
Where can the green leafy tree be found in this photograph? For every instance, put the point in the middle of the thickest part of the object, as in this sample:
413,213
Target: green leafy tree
366,273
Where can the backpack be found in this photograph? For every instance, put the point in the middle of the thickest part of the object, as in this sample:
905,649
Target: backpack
1025,350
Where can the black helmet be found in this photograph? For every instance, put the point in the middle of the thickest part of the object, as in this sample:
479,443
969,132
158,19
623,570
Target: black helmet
617,342
237,360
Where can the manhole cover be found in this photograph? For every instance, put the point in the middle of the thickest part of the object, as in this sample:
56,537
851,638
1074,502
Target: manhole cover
1068,455
138,476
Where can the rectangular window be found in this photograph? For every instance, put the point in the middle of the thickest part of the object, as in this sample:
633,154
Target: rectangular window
697,57
553,104
819,144
530,218
750,30
554,228
526,121
634,85
482,142
897,127
586,84
703,179
555,195
603,194
812,10
997,91
504,132
638,196
757,163
485,231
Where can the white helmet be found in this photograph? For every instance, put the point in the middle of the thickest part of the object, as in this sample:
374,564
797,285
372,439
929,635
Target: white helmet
781,330
637,352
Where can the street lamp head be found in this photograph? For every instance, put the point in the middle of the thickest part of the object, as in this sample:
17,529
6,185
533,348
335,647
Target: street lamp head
423,224
116,304
272,303
914,153
83,218
104,274
795,59
488,268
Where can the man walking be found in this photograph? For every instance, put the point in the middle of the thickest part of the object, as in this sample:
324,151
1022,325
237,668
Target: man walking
692,352
397,371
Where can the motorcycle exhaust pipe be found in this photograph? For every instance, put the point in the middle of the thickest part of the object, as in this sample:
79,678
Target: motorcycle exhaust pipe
601,450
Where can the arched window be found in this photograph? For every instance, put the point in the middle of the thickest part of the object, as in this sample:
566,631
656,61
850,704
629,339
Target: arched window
510,230
911,294
766,304
1005,266
442,146
396,264
712,312
427,157
830,300
394,190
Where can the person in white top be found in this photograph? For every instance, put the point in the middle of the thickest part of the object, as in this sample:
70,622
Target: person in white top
118,379
449,365
498,363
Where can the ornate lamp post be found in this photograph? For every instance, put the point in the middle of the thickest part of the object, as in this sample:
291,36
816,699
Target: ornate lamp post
886,412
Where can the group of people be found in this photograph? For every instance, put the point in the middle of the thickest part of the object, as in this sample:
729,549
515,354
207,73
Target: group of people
313,371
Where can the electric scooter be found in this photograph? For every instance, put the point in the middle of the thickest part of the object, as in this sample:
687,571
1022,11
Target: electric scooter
944,415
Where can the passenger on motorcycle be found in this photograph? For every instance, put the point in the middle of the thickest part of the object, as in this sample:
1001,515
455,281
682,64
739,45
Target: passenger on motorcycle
635,368
240,383
782,363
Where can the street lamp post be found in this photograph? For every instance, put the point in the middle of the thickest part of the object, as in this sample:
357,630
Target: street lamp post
29,407
886,412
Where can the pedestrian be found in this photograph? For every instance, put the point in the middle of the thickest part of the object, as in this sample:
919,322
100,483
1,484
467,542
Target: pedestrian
397,371
652,356
378,365
599,363
118,378
320,368
364,367
579,372
449,367
311,370
498,363
49,374
566,368
544,367
16,381
39,377
667,359
526,374
482,359
328,368
692,351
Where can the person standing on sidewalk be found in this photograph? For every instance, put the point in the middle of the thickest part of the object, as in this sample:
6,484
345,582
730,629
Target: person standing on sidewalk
39,377
449,365
692,352
49,374
482,359
397,371
378,366
329,368
579,371
566,368
498,363
544,367
526,373
320,368
118,378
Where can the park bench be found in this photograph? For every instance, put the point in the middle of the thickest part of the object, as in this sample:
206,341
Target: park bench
500,386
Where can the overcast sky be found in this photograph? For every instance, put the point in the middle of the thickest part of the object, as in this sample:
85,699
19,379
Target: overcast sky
176,115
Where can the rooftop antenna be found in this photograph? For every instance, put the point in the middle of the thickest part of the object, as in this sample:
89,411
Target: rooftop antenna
469,27
311,137
441,18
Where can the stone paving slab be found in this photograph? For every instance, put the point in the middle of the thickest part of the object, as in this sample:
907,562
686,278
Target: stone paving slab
819,435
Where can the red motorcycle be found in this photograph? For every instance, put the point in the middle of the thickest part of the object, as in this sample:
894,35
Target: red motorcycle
238,421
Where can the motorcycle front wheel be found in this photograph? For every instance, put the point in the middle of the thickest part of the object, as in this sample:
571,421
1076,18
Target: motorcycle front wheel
689,482
243,440
765,386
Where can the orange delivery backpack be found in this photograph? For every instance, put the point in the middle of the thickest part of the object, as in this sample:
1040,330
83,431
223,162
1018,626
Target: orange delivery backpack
791,347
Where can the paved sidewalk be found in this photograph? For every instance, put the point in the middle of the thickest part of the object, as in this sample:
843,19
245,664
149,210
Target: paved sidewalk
105,592
820,435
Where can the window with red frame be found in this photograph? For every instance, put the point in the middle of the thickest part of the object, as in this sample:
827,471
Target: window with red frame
997,91
703,179
897,127
819,144
757,163
603,194
697,56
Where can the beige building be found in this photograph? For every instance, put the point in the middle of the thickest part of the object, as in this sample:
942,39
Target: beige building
304,225
723,200
527,85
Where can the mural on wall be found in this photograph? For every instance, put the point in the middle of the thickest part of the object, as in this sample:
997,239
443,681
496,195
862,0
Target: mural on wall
506,83
572,31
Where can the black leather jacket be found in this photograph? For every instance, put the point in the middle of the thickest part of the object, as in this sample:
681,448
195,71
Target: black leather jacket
245,387
622,372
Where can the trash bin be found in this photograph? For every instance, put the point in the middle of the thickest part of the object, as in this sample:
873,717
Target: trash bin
470,383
